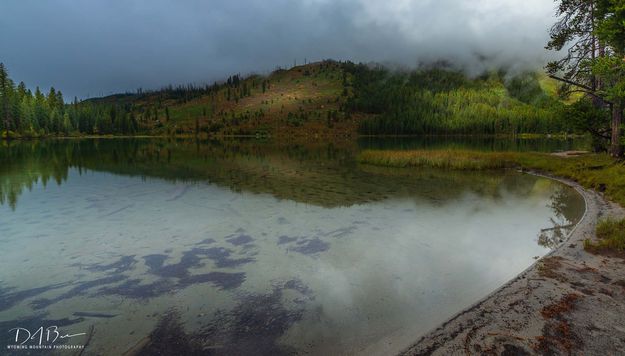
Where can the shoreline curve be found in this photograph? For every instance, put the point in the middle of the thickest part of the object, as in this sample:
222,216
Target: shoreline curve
561,304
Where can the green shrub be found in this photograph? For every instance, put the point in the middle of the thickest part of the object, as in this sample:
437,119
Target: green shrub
611,235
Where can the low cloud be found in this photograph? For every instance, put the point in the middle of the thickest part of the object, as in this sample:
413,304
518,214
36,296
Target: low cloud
93,48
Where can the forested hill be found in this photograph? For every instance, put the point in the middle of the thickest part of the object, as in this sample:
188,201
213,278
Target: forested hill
326,98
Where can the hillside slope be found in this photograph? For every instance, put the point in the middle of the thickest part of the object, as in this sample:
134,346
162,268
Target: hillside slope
343,99
303,100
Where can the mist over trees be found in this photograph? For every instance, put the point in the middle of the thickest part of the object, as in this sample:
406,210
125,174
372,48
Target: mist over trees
442,100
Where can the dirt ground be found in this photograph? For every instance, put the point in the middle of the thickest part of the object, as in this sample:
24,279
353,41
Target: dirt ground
570,302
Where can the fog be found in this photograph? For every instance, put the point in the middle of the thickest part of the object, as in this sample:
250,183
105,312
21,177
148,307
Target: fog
93,48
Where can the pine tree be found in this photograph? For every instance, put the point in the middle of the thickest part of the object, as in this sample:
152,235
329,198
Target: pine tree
67,124
60,102
5,97
52,98
22,91
40,111
26,113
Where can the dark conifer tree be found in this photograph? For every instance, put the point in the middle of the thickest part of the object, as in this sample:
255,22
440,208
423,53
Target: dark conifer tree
5,98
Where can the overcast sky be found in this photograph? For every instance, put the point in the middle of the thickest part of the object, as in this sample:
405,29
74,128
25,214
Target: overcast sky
96,47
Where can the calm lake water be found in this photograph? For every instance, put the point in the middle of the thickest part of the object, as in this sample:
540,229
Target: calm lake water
256,248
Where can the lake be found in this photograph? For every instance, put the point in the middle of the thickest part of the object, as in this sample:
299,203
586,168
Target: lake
254,247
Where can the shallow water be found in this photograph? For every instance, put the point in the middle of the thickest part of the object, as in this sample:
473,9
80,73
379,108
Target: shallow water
255,248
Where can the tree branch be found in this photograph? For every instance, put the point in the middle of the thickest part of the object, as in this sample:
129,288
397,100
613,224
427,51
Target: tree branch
586,89
570,82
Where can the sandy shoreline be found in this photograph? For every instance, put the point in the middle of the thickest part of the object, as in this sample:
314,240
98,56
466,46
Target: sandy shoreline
569,302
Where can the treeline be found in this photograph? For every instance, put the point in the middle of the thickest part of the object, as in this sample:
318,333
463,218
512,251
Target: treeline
446,101
27,114
236,85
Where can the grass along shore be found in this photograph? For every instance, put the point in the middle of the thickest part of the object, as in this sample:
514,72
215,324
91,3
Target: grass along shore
594,171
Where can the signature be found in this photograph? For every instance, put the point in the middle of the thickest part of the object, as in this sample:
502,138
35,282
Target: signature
41,335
